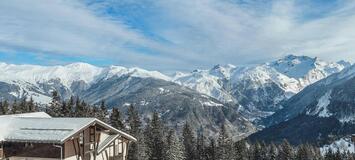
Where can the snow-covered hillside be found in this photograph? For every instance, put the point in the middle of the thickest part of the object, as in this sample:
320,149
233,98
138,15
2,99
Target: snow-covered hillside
38,81
261,87
256,89
344,145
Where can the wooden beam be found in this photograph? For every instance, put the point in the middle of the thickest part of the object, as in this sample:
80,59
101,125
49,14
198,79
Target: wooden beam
95,149
75,150
114,148
83,150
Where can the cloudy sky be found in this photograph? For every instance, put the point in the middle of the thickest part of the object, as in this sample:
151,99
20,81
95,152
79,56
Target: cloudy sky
174,34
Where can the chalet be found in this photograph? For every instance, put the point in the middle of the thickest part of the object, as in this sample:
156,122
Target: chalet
37,136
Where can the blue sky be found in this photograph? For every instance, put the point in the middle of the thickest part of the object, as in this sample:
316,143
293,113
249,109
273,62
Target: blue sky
171,35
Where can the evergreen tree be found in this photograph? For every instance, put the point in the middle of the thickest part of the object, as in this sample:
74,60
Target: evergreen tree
133,121
1,108
66,110
5,107
329,154
32,107
211,150
241,150
70,105
257,151
337,155
263,151
189,142
79,109
304,153
155,139
116,119
143,150
55,107
200,146
85,109
175,149
15,108
224,145
103,112
23,105
272,155
286,151
134,125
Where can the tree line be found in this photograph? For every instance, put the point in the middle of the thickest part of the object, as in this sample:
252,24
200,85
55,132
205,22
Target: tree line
159,142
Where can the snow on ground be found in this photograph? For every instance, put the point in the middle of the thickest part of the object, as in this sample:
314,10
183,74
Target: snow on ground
347,119
343,145
69,73
322,105
211,103
321,108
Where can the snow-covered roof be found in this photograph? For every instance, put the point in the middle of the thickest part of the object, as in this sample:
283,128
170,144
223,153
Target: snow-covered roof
29,128
33,114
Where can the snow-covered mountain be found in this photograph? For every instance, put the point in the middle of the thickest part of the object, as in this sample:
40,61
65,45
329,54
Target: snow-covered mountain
38,82
149,91
259,88
235,95
319,113
330,97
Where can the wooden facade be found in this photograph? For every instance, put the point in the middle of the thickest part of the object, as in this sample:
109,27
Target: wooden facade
84,145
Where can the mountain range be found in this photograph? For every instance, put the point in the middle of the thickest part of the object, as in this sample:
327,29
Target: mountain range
320,113
244,98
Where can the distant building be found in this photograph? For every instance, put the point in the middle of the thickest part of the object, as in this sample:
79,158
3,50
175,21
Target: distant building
37,136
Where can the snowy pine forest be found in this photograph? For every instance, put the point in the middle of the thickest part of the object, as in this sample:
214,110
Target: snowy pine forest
159,142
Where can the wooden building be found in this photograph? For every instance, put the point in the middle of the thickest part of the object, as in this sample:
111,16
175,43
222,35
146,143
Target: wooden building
38,136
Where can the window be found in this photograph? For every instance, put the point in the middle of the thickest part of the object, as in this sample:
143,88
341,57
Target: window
81,138
92,134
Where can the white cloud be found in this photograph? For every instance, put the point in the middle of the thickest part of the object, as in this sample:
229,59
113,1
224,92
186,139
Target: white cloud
70,28
200,32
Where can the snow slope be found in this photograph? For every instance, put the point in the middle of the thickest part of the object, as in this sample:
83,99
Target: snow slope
39,81
259,87
344,145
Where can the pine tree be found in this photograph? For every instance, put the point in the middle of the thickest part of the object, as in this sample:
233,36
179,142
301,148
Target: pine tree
103,112
133,121
32,107
155,139
23,105
241,150
175,149
224,145
286,151
65,112
211,150
337,155
15,108
257,151
272,155
134,125
55,107
189,142
70,105
329,154
2,112
116,119
263,151
5,107
303,153
85,109
200,146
